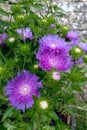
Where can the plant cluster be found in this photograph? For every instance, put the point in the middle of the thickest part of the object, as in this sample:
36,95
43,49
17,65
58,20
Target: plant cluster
42,64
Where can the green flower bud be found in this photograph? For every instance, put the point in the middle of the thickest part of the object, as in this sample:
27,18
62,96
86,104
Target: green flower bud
36,66
64,30
43,21
85,58
16,8
2,70
76,52
21,19
76,76
24,49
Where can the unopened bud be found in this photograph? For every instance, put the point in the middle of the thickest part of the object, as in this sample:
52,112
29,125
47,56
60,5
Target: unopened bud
56,75
43,104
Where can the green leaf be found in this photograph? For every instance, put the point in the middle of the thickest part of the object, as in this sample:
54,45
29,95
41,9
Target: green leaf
77,88
9,125
8,113
54,116
69,110
3,12
29,127
38,6
2,127
4,23
2,97
47,127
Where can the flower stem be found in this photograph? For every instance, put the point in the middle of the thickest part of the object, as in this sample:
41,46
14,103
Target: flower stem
37,121
2,56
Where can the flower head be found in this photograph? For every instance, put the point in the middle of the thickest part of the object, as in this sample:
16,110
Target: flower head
54,42
52,26
25,32
49,59
53,53
79,61
3,37
21,90
72,35
83,46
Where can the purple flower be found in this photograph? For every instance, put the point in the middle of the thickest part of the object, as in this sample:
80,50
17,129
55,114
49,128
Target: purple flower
55,43
21,90
3,37
52,26
72,35
83,46
49,59
25,32
79,61
53,53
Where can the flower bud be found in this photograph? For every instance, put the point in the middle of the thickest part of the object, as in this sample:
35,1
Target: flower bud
16,8
2,70
24,49
36,66
11,40
76,52
52,26
85,58
43,21
65,29
56,75
21,19
43,104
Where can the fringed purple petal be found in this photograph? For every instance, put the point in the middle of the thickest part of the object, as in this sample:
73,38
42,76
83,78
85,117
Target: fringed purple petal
21,90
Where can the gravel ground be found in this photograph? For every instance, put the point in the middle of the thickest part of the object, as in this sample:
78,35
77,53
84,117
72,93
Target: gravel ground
76,14
76,17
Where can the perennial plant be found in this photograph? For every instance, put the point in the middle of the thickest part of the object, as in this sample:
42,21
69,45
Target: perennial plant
42,64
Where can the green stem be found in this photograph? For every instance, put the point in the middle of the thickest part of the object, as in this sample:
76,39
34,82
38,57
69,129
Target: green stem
24,62
37,121
2,56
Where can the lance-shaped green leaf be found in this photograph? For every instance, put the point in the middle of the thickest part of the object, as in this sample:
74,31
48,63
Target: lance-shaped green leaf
3,12
8,113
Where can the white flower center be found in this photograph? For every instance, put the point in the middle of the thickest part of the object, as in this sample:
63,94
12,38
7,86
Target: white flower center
25,89
52,62
53,45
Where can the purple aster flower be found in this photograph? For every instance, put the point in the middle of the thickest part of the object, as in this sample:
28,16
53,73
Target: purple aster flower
52,26
2,40
83,46
21,90
49,59
26,32
79,61
3,37
55,43
72,35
